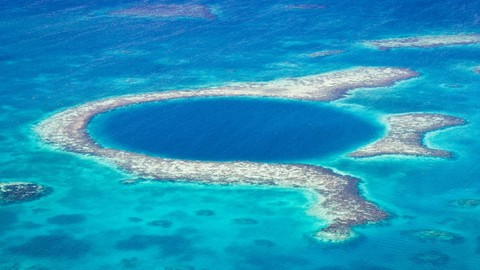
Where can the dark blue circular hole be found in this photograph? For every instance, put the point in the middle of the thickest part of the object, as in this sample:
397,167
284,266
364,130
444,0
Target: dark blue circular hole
227,129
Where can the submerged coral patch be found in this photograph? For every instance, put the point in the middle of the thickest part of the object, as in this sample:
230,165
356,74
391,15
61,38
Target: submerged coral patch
52,246
425,41
17,192
306,6
167,244
432,235
325,53
264,243
205,213
165,11
245,221
135,219
465,203
8,218
67,219
160,223
432,257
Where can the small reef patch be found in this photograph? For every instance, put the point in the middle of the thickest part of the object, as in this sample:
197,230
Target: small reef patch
8,218
167,11
170,245
245,221
52,246
264,243
325,53
129,263
17,192
478,245
305,6
465,203
205,213
432,235
432,257
160,223
135,219
67,219
181,267
424,41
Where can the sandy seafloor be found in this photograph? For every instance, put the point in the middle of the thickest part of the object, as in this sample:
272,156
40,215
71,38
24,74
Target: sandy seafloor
55,55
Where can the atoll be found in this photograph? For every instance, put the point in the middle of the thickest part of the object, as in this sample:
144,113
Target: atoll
424,41
405,135
163,10
339,202
17,192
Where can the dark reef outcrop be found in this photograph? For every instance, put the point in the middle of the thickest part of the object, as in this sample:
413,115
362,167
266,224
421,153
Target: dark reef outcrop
17,192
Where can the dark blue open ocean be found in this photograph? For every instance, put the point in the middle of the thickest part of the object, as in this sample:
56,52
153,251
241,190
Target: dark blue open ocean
58,54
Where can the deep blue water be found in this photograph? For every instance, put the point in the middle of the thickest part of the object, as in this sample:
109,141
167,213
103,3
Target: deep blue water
57,54
228,129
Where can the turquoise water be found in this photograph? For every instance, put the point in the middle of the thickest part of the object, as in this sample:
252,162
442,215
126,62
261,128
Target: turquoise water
57,54
229,129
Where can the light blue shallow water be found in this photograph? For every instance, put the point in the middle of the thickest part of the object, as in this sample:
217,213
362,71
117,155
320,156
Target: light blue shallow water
56,54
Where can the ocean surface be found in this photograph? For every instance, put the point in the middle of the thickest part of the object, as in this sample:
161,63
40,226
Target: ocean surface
58,54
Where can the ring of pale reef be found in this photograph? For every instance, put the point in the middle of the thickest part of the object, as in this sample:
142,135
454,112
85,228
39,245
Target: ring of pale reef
338,201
